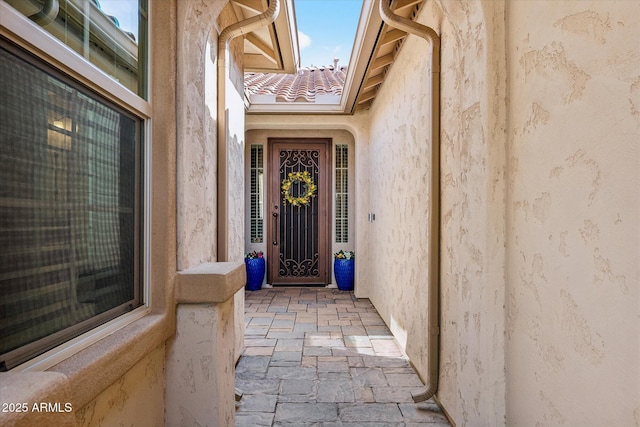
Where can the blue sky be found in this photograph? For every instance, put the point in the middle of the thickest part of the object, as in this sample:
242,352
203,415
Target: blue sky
326,29
125,10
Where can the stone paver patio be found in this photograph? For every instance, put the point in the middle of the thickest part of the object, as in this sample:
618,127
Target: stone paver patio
322,357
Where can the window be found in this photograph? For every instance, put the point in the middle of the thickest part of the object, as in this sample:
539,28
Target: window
342,193
111,34
257,193
70,208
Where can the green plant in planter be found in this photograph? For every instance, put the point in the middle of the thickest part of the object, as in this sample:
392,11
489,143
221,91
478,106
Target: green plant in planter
345,254
253,255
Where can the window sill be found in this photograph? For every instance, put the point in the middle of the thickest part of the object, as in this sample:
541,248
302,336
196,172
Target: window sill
82,377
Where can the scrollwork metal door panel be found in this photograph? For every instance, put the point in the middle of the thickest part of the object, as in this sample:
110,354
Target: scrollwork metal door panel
298,252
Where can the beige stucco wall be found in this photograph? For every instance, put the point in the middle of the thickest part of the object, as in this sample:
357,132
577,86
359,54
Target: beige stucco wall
199,24
472,223
573,333
197,157
122,402
472,378
556,243
398,184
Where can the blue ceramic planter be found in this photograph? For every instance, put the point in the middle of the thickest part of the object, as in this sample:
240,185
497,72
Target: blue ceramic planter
255,273
344,272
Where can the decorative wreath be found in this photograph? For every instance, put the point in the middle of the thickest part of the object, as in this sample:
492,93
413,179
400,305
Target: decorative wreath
309,188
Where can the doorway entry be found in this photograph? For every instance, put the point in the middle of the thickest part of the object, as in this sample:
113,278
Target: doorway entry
298,232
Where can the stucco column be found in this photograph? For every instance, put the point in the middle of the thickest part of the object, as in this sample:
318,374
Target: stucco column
200,388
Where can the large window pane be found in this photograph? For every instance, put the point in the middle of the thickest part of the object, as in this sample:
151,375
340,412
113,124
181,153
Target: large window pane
69,209
111,34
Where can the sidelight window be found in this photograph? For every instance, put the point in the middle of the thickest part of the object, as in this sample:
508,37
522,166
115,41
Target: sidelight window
342,193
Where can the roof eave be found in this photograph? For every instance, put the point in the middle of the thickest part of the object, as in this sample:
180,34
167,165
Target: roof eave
369,27
282,42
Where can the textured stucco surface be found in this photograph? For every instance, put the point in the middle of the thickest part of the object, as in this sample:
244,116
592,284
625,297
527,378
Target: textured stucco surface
398,185
472,377
196,106
573,335
120,403
200,366
198,26
540,210
472,237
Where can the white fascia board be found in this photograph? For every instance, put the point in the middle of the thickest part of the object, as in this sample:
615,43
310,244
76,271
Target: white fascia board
295,108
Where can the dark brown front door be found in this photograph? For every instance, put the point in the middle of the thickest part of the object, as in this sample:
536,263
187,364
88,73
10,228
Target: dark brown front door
298,233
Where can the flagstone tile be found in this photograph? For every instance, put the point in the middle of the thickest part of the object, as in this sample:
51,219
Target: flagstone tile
352,351
327,328
335,391
258,351
333,366
368,377
375,412
385,362
285,373
363,394
297,308
334,376
285,344
258,386
355,362
355,330
256,331
285,335
377,330
323,342
254,419
340,322
305,327
403,380
317,357
306,387
424,412
286,358
316,351
258,403
386,348
356,340
309,362
260,321
395,394
259,342
299,413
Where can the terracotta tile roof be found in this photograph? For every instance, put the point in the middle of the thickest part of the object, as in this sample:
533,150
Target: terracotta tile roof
311,84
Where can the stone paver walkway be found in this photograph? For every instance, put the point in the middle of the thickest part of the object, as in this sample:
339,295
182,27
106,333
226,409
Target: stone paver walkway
321,357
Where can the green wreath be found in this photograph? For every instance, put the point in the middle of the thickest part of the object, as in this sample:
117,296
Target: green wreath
305,179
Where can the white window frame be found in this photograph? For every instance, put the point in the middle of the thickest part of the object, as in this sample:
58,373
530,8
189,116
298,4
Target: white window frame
29,36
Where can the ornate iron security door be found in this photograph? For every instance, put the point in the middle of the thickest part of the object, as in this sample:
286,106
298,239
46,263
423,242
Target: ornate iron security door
298,252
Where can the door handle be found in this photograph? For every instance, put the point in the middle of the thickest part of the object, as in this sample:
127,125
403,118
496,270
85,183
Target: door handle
275,227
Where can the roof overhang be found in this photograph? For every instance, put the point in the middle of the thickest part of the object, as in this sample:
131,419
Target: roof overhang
274,48
375,48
